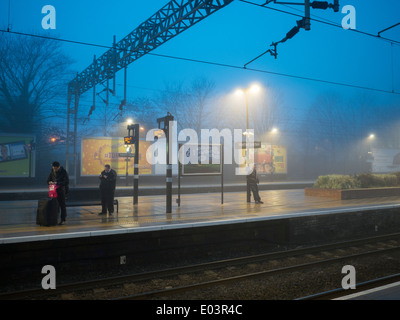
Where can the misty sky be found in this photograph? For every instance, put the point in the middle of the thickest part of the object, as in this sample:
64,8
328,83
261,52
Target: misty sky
234,35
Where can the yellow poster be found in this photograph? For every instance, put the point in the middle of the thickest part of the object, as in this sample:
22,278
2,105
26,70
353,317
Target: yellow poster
271,159
279,159
97,152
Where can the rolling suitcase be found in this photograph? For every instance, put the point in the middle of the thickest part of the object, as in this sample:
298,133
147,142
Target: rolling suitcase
47,212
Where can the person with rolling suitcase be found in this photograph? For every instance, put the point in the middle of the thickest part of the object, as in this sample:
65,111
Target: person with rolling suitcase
59,180
47,212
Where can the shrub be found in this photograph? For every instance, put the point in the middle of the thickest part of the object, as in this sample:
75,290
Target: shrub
369,180
335,181
397,174
364,180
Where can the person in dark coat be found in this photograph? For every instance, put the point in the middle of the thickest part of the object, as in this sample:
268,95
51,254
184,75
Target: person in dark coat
252,180
108,181
59,177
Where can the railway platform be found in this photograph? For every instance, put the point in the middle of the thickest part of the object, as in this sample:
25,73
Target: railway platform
386,292
18,218
145,236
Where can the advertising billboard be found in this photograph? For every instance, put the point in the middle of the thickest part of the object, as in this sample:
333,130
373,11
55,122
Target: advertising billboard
271,159
97,152
16,156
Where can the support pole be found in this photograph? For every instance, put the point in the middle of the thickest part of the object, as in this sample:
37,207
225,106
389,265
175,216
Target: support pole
178,201
247,147
135,136
75,138
136,167
164,124
222,173
114,68
169,178
307,15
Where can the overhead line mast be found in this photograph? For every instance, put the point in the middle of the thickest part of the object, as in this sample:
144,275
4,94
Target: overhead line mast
171,20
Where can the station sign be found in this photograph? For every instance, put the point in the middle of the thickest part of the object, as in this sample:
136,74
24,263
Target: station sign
129,140
126,155
243,145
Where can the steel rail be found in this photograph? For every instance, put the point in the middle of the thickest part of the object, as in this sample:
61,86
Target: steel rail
249,276
87,285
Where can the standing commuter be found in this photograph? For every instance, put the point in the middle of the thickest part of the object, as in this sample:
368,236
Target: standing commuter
252,180
108,180
59,177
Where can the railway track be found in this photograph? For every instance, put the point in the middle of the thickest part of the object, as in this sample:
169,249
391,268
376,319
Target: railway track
174,281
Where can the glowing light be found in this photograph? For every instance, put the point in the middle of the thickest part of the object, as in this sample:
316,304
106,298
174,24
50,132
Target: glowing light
255,88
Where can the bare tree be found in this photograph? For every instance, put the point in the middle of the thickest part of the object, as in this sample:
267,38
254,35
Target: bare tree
33,72
193,106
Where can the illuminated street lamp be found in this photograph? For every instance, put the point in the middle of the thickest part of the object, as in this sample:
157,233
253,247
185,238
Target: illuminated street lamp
253,89
370,155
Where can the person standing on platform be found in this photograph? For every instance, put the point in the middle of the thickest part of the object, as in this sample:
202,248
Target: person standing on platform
59,177
108,181
252,180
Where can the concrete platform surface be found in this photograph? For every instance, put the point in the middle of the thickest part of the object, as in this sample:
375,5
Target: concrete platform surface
18,218
387,292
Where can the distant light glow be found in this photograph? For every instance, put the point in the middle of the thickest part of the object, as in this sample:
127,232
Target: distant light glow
239,92
255,88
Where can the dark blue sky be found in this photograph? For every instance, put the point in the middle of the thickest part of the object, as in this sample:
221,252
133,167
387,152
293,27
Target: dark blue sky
234,35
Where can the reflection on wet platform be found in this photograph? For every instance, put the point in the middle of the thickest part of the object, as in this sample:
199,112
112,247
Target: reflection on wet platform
18,218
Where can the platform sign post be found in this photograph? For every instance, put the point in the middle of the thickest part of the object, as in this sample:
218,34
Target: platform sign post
164,124
213,167
133,138
127,157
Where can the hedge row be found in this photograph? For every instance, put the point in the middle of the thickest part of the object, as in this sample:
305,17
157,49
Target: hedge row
364,180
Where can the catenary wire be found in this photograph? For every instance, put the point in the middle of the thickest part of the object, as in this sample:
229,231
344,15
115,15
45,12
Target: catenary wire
218,63
324,22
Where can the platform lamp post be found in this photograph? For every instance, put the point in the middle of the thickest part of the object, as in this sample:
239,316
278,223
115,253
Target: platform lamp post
133,138
274,138
253,89
370,156
164,124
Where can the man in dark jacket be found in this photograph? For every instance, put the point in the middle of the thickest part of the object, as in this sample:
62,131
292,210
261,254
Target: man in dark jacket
108,180
59,177
253,181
